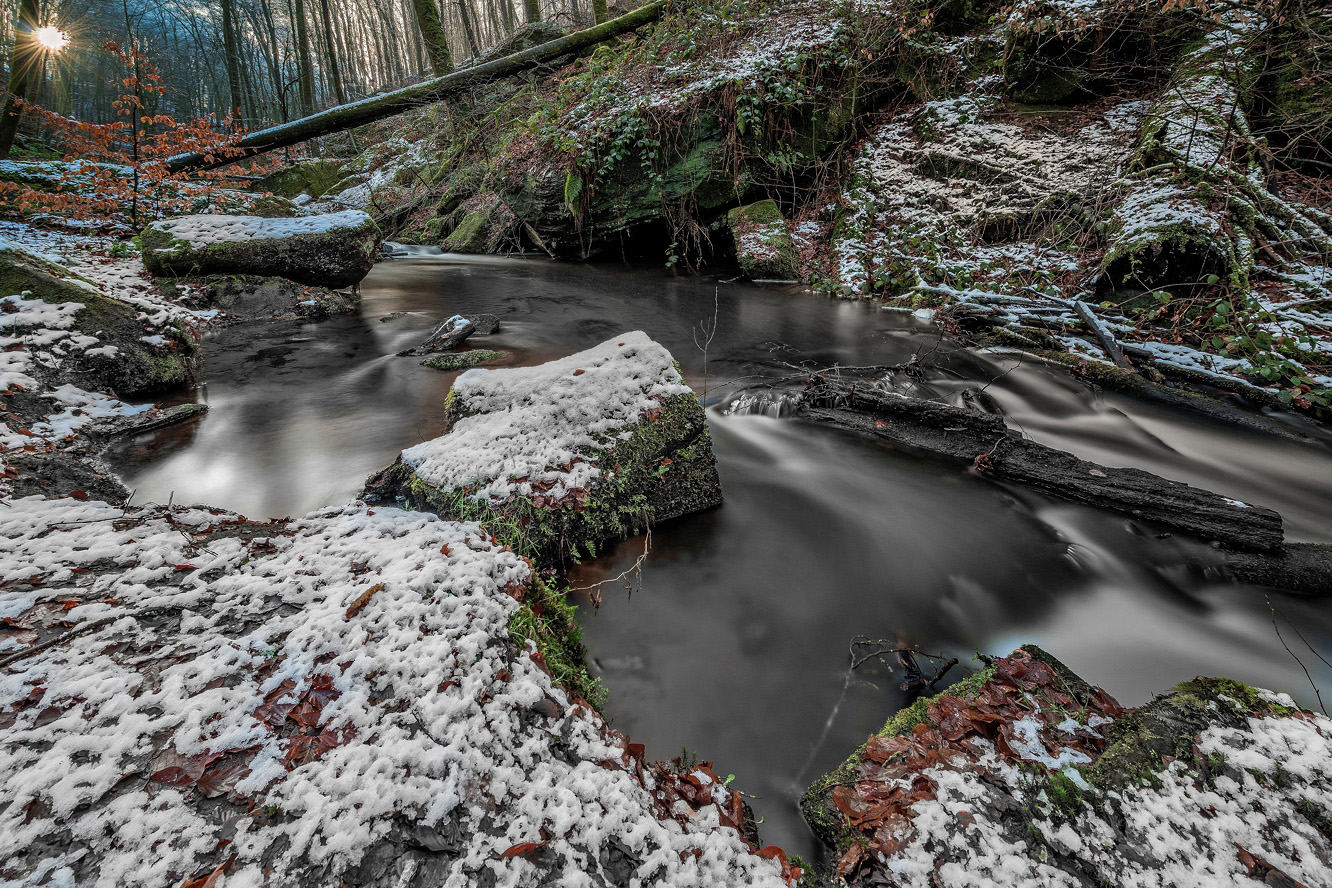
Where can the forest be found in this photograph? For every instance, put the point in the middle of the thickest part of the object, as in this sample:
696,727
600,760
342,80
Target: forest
880,443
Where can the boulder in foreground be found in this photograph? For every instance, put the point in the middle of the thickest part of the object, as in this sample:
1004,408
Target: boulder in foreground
1023,774
60,328
566,455
187,697
333,250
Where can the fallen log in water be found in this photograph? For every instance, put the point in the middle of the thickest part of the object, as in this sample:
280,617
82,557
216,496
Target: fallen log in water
1303,568
985,441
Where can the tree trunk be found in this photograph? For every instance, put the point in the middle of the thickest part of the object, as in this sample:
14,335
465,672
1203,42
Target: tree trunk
469,29
533,11
600,11
25,56
336,120
432,32
331,50
232,52
304,64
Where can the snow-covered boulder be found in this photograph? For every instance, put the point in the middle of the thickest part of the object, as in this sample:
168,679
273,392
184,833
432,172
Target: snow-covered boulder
58,327
330,701
566,455
331,250
1023,774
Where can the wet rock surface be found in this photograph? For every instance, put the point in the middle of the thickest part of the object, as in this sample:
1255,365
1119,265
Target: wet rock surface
254,298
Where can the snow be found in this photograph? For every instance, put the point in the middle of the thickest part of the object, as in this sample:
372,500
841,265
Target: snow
395,623
543,424
202,231
1184,832
426,708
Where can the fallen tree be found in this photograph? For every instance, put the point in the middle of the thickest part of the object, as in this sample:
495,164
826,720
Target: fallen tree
985,441
345,117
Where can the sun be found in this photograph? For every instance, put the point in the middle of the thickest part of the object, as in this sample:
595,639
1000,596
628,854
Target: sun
51,38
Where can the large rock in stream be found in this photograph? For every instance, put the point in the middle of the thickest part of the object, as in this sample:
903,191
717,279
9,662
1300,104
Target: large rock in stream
332,250
562,457
1025,775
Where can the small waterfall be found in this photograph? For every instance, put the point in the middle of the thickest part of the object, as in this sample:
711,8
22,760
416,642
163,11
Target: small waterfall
765,403
393,250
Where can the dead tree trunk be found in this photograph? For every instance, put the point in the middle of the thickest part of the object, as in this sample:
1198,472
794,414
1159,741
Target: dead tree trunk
345,117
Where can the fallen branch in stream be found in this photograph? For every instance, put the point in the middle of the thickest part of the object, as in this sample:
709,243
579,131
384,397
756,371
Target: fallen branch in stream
985,442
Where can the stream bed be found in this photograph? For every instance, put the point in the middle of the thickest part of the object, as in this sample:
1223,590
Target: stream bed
734,637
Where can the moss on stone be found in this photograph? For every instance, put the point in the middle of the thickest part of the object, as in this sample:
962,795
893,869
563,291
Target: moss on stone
763,244
636,488
461,360
313,177
136,367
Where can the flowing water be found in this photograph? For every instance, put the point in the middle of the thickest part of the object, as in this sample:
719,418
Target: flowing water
736,635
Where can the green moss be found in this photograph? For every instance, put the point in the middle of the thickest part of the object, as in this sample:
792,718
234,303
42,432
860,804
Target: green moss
1141,741
763,243
137,367
461,360
626,498
471,234
314,177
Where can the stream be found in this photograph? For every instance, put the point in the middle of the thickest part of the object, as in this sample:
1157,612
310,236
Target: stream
734,638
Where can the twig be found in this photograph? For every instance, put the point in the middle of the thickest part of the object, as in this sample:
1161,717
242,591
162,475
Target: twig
1102,333
637,567
1281,639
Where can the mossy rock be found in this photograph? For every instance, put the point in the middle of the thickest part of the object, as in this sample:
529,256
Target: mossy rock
633,494
271,206
313,177
137,367
455,361
486,222
763,244
334,250
1030,800
654,468
816,804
